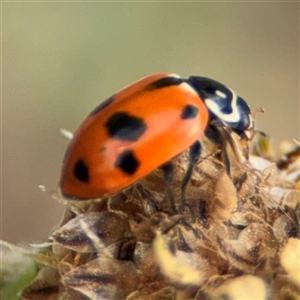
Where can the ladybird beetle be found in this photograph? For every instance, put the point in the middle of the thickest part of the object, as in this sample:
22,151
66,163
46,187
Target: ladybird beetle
144,126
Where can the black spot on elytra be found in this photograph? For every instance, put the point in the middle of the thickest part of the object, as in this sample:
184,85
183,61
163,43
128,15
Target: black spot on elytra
127,162
81,171
165,82
189,112
102,105
124,126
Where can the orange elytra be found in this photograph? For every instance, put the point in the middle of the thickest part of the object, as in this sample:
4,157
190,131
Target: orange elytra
132,133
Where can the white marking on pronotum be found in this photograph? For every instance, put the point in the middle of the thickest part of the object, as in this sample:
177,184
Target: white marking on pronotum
66,133
187,88
220,94
184,85
174,75
229,118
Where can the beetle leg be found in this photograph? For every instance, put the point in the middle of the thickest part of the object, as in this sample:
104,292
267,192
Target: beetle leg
213,133
168,171
195,151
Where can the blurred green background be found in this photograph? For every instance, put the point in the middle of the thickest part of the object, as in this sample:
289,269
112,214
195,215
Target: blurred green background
59,60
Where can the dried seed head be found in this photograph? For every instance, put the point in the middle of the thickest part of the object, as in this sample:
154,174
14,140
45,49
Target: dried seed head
241,243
